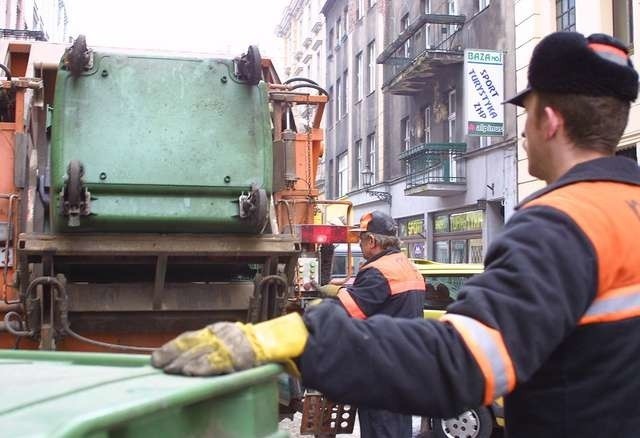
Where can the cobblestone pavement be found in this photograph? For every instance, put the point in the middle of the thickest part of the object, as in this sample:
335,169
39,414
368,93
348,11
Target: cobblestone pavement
293,427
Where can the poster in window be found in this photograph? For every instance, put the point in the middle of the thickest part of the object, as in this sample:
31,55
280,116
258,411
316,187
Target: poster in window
417,251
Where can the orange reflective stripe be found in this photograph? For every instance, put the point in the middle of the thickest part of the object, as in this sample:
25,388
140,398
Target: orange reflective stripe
596,47
350,304
606,213
488,349
402,275
614,305
401,286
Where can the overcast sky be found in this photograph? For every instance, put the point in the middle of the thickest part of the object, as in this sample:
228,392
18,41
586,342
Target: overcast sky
210,26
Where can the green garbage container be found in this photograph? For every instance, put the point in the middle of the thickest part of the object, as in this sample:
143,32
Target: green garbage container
54,394
167,144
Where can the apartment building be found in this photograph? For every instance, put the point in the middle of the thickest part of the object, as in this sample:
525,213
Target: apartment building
40,20
536,18
354,128
450,143
404,136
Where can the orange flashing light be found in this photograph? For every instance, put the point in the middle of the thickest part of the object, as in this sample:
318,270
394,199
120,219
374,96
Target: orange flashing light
324,234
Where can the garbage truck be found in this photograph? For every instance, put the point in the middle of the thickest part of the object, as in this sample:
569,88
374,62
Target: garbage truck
145,193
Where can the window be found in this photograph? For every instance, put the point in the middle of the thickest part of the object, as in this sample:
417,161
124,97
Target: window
405,128
371,156
338,30
458,237
452,115
480,5
412,236
342,174
359,9
404,24
330,109
358,77
330,183
371,70
623,21
372,2
566,15
338,99
357,167
330,42
345,21
485,141
343,96
452,9
427,124
426,8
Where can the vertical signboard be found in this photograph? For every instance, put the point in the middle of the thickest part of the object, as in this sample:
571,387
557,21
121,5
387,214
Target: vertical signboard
484,90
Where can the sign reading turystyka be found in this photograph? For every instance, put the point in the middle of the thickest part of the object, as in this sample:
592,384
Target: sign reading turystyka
484,89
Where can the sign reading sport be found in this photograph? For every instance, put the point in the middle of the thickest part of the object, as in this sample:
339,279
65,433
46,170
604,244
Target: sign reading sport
484,86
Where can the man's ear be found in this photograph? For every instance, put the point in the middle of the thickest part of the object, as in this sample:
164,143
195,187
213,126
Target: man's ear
553,122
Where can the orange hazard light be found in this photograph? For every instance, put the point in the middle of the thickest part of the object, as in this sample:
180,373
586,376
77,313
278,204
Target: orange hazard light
326,234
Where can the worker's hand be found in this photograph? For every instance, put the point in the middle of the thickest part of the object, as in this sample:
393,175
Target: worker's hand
225,347
327,290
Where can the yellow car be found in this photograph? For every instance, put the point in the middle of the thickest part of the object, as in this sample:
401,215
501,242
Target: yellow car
444,280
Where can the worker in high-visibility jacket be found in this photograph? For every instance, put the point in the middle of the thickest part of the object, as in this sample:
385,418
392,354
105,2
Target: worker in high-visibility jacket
386,284
553,322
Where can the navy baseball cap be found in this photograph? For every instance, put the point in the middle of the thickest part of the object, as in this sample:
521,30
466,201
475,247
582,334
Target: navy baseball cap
570,63
377,222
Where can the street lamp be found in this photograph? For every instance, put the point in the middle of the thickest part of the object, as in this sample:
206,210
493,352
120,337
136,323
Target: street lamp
367,177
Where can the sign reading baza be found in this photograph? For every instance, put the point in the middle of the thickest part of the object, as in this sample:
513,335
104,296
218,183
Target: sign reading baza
484,89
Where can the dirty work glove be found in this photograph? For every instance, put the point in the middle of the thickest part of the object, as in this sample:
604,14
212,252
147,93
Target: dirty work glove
327,290
225,347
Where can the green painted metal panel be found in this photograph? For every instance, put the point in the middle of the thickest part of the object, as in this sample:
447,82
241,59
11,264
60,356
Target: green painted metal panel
168,144
50,394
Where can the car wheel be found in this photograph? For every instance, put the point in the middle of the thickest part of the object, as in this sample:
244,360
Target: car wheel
474,423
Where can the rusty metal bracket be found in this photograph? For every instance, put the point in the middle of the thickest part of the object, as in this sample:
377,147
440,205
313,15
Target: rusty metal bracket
323,417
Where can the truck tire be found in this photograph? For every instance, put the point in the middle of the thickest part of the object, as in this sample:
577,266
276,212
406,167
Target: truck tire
474,423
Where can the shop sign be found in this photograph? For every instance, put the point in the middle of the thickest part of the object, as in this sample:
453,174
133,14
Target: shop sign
411,227
484,92
468,221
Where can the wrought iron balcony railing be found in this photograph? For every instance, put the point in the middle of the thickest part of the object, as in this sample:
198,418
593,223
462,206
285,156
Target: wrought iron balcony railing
431,39
22,34
434,163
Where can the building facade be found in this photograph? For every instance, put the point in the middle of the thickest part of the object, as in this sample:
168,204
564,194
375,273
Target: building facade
399,136
536,18
43,20
354,121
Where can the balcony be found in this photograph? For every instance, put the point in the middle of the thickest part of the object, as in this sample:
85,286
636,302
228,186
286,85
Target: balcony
434,169
20,34
427,46
316,26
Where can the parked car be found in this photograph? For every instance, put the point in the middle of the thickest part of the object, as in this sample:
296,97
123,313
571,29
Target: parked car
444,281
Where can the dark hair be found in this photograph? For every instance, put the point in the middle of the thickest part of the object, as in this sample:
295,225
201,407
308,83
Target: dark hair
386,242
591,122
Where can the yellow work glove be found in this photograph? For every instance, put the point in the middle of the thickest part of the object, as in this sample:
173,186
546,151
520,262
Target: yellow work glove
329,290
226,347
